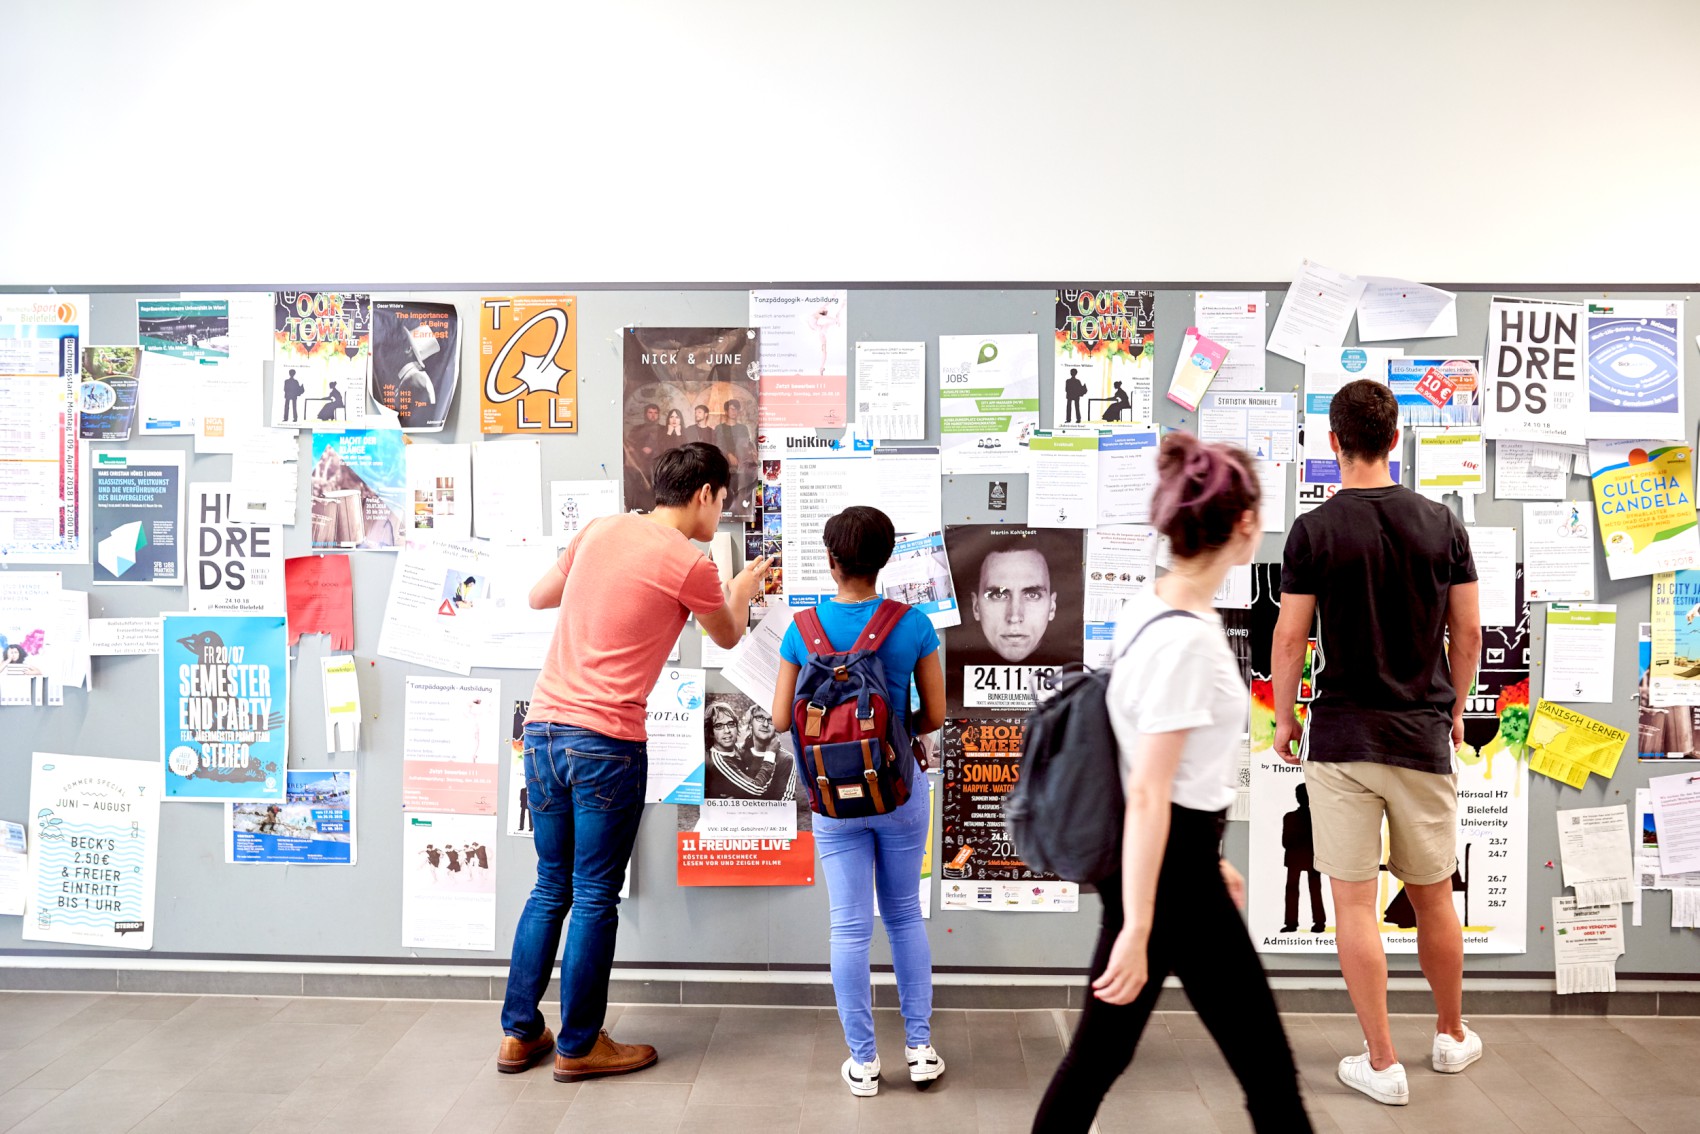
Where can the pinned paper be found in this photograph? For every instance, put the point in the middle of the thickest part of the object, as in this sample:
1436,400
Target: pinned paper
342,703
320,592
1566,745
1593,844
1586,943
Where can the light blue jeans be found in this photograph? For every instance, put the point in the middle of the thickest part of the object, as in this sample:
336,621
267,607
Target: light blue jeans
859,856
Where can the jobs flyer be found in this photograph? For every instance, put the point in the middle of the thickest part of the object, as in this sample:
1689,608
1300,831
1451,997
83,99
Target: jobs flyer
980,868
224,680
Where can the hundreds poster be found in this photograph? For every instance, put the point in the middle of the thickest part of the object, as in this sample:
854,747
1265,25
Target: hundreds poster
224,681
1635,370
1105,357
685,384
1533,372
415,361
136,517
528,362
989,402
1022,596
1644,497
238,567
93,848
980,764
40,346
359,484
321,356
313,826
804,368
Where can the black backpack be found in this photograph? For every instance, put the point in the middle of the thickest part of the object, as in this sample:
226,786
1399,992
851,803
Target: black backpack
1065,812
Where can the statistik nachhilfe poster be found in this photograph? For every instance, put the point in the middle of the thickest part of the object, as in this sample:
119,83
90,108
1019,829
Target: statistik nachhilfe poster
1105,357
321,357
224,684
685,384
93,846
980,761
359,486
1021,592
415,362
528,364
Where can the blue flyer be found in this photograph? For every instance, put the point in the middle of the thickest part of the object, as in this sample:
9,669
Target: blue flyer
224,684
313,826
359,485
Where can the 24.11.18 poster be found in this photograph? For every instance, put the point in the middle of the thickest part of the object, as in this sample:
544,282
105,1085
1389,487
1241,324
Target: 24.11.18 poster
224,684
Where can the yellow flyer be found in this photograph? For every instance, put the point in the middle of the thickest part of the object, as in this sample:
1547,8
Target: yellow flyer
1566,745
1644,496
528,364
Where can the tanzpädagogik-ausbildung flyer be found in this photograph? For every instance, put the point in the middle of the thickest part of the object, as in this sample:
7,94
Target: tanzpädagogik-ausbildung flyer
224,692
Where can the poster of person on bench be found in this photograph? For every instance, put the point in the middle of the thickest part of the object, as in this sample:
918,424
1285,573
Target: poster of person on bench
321,358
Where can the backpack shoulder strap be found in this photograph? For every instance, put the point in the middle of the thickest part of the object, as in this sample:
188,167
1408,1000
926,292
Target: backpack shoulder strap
813,633
1148,625
885,619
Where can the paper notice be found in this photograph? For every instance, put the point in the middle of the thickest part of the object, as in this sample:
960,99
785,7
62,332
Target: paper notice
1318,309
1593,844
1586,943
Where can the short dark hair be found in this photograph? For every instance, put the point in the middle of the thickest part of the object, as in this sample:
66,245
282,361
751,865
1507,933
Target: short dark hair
860,539
734,403
680,473
1364,416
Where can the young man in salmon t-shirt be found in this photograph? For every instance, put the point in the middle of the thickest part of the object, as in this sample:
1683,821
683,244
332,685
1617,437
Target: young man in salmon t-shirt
624,587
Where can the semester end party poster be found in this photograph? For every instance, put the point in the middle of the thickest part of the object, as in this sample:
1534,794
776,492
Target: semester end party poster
224,684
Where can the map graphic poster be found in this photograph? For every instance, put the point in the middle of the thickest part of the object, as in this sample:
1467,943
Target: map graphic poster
321,357
136,501
1105,349
224,693
1635,370
528,364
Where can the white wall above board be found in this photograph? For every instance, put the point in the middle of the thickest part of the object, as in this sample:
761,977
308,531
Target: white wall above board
673,141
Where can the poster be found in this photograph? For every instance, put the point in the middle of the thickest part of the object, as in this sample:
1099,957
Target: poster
238,567
1671,670
1105,357
805,367
1533,372
673,720
312,826
415,362
685,384
136,516
106,398
918,573
439,488
451,741
32,656
359,484
448,886
980,762
93,848
321,357
224,685
1326,371
528,362
1644,495
422,624
519,796
1437,391
1237,320
891,390
1634,350
40,360
193,329
988,402
1022,594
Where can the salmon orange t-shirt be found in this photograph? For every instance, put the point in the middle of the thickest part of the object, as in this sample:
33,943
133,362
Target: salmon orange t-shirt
630,584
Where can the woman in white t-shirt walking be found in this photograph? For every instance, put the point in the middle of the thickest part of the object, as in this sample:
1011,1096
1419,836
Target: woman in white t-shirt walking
1178,706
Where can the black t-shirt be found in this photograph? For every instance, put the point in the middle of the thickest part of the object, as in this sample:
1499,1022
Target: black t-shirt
1381,563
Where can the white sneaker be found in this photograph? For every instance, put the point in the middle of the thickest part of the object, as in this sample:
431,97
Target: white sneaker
1385,1086
1452,1056
863,1078
925,1065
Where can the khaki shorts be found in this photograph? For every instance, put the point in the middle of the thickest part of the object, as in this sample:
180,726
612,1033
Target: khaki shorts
1347,802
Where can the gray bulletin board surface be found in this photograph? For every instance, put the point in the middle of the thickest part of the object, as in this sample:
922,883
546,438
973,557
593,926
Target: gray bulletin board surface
211,911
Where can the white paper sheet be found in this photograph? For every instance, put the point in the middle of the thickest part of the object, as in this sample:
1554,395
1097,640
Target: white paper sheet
1495,553
421,622
1121,563
1319,307
907,487
166,401
1586,943
918,573
1238,320
439,488
1518,476
1127,474
14,868
816,488
574,503
120,637
674,724
1062,481
1558,551
1264,425
1581,652
1676,812
507,490
891,390
230,408
1274,477
1593,845
1400,309
753,667
71,617
507,633
341,686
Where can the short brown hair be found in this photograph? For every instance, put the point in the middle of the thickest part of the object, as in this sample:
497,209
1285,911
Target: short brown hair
1364,416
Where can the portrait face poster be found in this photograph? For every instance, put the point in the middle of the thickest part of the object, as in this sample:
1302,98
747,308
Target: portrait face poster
1021,592
224,683
321,357
685,384
528,364
415,362
93,847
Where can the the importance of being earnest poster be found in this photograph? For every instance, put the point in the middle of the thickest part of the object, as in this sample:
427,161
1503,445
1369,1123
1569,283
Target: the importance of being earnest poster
224,684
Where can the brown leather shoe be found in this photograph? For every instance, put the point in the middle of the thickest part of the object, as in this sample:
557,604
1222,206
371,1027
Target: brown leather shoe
515,1055
606,1058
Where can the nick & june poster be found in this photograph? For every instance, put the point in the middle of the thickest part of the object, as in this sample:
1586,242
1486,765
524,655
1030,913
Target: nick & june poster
224,684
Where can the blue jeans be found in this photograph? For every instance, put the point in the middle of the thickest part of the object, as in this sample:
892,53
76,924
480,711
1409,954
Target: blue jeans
857,856
586,796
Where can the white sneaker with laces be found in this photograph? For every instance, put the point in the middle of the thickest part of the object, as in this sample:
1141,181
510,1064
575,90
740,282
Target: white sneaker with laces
1452,1056
925,1065
863,1078
1385,1086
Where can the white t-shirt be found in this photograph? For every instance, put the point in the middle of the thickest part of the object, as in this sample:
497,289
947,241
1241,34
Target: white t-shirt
1180,676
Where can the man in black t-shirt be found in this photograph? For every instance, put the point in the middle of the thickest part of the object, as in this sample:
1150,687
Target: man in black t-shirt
1385,576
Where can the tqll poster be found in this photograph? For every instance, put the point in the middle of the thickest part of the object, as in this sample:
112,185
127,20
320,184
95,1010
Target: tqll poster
321,357
93,847
224,680
1105,357
528,364
415,362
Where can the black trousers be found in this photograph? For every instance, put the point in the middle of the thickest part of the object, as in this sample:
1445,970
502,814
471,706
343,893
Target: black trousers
1196,934
1292,910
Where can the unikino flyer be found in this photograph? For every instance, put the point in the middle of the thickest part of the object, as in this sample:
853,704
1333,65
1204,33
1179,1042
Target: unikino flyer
981,762
93,846
224,680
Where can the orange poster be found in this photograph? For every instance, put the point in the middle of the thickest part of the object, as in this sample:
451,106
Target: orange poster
528,364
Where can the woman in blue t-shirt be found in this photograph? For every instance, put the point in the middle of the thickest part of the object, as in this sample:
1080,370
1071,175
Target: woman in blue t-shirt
857,855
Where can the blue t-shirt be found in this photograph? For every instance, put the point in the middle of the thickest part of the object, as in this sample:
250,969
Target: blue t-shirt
912,639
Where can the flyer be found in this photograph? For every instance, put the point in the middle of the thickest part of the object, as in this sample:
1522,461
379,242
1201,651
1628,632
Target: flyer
1239,321
1062,480
1644,494
415,362
1533,372
1121,562
918,573
195,329
674,723
1673,665
1105,356
1450,459
1558,551
1437,391
519,795
93,850
805,369
1195,368
136,516
1326,371
312,826
1567,746
32,655
448,884
439,487
224,684
321,357
450,745
1634,366
685,384
891,390
1264,425
528,362
574,503
989,402
1586,943
238,567
1127,474
40,361
107,393
1023,618
980,762
507,633
422,623
359,484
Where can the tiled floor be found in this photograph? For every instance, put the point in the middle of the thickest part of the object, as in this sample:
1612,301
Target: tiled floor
92,1063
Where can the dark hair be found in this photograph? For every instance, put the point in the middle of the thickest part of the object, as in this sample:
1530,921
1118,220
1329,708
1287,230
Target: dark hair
1364,416
699,406
1202,490
680,473
860,539
733,403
